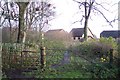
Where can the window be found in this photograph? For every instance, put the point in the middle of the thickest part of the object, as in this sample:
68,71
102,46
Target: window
74,38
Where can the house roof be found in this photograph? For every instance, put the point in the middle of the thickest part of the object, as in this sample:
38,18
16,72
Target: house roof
54,30
57,34
77,32
112,33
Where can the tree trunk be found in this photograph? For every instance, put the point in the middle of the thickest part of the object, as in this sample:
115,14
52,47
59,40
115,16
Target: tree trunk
21,29
86,22
24,37
21,23
87,15
85,29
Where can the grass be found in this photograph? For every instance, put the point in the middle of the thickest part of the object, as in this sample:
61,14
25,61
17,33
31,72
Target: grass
75,69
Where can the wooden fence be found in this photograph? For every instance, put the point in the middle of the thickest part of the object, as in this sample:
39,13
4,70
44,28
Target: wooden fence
15,56
25,56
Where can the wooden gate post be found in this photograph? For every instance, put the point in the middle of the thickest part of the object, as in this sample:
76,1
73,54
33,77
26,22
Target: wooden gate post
21,61
111,56
43,59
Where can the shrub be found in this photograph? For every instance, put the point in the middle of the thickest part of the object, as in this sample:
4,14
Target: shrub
99,49
54,44
96,48
102,70
110,42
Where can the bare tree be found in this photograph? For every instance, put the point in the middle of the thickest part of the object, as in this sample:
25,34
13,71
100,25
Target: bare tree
33,13
90,6
39,13
36,12
6,16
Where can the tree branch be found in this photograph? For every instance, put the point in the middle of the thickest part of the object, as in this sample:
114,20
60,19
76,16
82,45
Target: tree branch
101,6
110,23
79,20
2,23
78,2
90,8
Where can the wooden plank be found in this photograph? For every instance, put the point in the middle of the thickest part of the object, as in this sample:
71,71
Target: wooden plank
29,51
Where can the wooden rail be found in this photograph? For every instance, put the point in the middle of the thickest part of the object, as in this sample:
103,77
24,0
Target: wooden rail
30,51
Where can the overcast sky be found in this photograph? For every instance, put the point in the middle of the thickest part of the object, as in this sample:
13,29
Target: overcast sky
67,13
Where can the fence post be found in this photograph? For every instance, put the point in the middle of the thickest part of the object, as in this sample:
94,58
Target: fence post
43,59
111,56
21,55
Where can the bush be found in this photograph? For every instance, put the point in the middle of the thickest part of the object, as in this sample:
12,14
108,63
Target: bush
96,48
101,70
110,42
98,51
54,44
